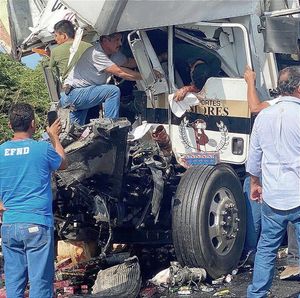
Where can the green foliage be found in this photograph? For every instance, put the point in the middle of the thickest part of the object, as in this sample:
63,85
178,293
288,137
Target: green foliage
21,84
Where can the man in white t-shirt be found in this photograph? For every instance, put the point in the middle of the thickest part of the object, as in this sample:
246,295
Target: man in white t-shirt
253,207
86,85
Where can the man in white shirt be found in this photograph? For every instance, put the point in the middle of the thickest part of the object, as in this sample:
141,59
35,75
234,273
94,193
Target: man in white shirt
254,209
275,156
86,85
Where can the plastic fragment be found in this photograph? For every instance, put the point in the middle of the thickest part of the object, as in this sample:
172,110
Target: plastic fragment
228,278
206,289
221,293
185,290
218,281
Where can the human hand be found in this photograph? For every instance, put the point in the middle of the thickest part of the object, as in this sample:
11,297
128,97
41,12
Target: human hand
180,94
256,193
157,74
249,75
42,52
55,129
2,208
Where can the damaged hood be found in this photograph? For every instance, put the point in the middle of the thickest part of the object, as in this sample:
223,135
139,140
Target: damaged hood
29,23
109,16
42,32
25,24
16,17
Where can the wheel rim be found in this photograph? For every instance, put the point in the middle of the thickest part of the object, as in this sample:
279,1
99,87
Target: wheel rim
223,221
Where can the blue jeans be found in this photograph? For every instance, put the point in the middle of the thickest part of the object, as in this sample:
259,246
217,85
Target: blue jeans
274,225
253,226
28,252
82,99
293,247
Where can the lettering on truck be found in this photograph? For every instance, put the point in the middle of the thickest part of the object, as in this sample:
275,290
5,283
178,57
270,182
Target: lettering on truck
212,107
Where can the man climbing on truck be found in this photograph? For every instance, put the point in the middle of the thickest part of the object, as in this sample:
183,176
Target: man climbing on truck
87,85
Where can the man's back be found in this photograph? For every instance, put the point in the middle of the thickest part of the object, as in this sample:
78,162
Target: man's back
25,189
276,137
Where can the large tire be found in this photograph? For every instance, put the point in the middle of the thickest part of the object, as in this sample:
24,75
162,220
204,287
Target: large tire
209,219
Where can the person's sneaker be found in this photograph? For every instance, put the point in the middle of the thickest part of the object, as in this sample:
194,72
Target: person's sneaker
290,271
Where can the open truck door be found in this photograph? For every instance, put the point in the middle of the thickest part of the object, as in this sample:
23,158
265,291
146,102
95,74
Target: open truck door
222,115
147,61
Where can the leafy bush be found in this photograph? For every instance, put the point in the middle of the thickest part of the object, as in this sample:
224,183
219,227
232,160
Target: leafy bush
18,83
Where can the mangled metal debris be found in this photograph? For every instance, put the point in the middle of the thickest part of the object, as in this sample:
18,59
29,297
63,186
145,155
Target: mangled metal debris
178,279
120,281
96,148
180,276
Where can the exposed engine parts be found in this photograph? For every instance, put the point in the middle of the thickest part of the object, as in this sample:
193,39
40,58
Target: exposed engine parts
120,188
114,185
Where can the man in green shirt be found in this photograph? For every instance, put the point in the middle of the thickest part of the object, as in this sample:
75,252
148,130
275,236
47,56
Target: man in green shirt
59,60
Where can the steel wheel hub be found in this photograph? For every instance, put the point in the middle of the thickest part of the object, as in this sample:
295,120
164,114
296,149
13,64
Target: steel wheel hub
223,221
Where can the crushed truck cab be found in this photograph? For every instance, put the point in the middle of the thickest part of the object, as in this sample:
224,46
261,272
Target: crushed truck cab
174,173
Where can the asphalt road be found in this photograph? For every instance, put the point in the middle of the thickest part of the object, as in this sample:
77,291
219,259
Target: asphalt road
238,286
152,261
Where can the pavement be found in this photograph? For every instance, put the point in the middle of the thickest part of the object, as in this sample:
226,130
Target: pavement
155,260
237,287
239,284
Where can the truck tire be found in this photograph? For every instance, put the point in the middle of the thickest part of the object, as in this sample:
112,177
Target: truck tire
209,219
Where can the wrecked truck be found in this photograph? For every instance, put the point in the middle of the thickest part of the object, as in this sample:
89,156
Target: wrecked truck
155,181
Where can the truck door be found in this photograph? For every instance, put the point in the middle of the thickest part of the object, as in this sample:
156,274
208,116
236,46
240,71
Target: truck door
221,118
148,62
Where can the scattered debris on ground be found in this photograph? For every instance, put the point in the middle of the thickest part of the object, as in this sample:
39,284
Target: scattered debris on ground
153,274
121,281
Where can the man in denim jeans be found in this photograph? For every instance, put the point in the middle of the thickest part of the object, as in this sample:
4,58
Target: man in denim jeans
275,156
254,209
86,85
25,191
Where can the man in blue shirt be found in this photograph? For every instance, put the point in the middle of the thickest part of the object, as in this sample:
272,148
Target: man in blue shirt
275,155
25,191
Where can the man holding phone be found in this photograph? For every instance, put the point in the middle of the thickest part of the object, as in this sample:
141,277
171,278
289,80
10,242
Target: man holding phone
25,191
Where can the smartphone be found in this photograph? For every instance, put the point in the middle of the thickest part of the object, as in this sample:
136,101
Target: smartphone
51,116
